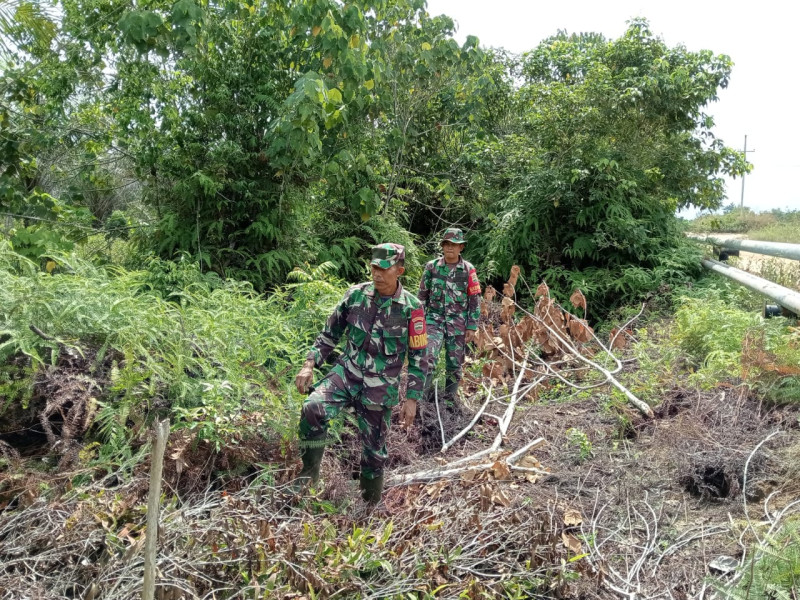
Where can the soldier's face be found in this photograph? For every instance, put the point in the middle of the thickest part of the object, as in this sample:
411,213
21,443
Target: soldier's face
451,251
385,280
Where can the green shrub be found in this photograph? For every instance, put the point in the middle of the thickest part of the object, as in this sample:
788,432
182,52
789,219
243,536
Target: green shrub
211,352
722,340
774,572
718,334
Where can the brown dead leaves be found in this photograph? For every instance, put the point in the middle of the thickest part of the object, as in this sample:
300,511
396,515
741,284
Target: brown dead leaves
579,301
550,327
556,327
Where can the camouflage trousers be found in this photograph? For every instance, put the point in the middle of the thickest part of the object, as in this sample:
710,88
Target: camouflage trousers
329,397
454,349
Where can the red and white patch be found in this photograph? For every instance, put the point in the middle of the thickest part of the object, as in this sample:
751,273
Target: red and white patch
474,286
417,330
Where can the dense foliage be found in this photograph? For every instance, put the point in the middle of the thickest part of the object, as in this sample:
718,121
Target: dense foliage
258,137
169,170
211,353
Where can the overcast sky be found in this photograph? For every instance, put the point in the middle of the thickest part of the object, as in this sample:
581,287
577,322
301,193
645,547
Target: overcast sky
761,100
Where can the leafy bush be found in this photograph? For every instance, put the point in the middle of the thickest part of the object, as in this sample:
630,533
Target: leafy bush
617,141
212,353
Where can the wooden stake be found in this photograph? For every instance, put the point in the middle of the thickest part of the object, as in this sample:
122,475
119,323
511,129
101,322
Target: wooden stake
153,501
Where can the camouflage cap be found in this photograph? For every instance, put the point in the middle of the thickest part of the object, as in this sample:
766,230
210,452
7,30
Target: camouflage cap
454,235
387,255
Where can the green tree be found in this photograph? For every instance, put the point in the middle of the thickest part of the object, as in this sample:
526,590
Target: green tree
613,139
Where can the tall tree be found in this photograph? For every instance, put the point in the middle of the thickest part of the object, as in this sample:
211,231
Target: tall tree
613,139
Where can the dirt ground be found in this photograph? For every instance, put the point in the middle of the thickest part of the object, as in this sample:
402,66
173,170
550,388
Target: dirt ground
644,506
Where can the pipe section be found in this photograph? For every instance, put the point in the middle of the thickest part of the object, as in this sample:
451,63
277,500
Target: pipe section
784,296
779,249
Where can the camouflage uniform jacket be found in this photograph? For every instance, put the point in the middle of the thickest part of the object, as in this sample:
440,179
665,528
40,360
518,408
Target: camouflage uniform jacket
451,298
379,335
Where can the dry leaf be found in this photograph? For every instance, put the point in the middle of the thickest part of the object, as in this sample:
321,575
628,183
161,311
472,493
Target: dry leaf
617,340
512,279
469,475
580,330
499,497
578,300
500,470
503,331
507,312
435,490
486,496
494,371
530,462
542,290
572,517
571,542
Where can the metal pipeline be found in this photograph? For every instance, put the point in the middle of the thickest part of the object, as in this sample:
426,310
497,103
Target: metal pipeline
784,296
779,249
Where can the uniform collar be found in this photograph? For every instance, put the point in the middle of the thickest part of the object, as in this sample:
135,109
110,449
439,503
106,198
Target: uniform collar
398,294
459,264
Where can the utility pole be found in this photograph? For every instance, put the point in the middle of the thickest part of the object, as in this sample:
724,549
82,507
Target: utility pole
745,160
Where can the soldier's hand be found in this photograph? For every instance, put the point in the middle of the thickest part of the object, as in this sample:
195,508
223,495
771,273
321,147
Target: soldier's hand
470,336
409,413
305,377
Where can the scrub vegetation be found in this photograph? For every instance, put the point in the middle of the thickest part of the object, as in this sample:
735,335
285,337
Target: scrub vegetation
188,188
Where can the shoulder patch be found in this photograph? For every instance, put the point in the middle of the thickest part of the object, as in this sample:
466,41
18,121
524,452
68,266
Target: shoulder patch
474,285
417,330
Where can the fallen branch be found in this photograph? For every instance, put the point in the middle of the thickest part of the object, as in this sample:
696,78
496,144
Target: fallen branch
447,445
459,466
642,406
438,414
433,474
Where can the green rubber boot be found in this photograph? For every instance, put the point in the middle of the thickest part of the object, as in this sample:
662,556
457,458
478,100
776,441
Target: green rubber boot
309,475
371,489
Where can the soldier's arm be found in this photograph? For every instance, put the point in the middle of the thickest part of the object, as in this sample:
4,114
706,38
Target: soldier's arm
331,333
417,346
473,300
424,286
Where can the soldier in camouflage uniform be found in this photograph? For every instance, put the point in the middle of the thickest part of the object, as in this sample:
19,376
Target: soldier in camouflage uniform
382,323
450,294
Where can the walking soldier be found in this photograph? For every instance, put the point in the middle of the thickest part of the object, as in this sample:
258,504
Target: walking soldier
382,324
450,294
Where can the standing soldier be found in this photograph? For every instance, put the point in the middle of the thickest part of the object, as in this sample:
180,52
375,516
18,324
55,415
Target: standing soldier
382,322
450,294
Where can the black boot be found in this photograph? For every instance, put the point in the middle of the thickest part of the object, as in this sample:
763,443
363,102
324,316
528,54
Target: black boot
450,396
309,475
371,489
451,386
